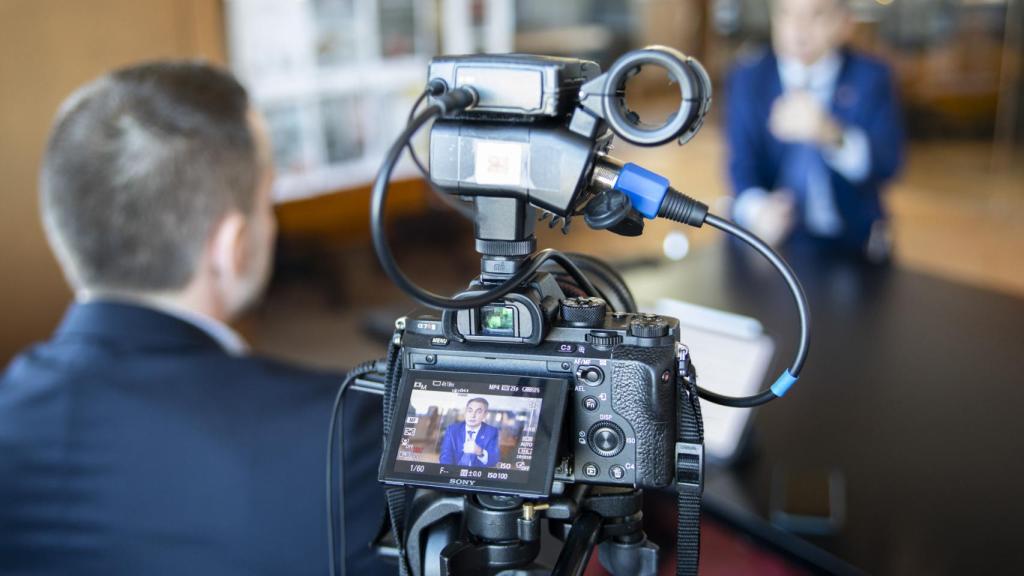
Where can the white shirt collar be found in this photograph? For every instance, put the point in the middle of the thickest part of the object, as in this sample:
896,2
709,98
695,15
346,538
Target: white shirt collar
231,341
818,76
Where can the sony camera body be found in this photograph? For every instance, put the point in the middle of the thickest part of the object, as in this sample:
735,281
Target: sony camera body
593,402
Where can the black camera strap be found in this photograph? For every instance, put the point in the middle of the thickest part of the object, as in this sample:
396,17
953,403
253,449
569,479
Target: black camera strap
689,467
395,495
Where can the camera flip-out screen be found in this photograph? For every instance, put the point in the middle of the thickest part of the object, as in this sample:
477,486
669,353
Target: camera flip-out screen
479,432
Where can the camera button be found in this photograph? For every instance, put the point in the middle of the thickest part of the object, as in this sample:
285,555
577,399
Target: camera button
617,472
590,470
590,403
591,375
606,439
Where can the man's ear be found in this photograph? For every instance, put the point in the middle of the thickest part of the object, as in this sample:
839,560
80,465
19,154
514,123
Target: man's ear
228,246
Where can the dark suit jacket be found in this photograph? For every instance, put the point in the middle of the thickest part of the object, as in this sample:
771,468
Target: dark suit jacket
864,96
455,435
131,443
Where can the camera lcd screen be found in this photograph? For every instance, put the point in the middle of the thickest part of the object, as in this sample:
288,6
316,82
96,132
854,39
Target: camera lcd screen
480,432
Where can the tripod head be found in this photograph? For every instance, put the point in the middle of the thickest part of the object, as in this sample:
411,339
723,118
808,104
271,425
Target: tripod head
503,533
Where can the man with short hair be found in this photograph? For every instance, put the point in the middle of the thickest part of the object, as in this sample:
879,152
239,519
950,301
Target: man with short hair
143,438
471,442
814,133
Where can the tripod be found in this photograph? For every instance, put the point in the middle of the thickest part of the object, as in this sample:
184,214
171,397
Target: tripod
495,534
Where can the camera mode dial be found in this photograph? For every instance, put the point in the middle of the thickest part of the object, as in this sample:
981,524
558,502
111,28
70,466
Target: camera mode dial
584,312
648,326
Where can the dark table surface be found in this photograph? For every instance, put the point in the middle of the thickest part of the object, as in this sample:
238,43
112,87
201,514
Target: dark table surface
913,390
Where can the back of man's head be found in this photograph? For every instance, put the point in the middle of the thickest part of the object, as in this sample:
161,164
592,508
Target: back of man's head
140,166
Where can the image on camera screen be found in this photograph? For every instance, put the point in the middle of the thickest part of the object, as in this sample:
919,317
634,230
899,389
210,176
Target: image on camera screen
476,431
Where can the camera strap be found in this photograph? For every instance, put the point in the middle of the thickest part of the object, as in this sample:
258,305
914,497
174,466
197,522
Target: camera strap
395,495
689,467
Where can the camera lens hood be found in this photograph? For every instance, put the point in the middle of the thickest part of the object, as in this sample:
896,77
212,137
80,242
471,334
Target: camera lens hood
605,96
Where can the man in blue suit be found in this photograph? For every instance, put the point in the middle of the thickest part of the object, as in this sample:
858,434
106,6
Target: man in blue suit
143,438
814,133
471,442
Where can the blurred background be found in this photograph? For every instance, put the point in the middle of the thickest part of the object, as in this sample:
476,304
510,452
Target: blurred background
336,80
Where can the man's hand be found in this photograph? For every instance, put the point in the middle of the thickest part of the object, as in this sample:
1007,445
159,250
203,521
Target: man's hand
797,116
773,217
470,447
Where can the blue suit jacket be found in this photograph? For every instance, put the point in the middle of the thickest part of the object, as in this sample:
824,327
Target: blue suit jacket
455,435
132,444
864,96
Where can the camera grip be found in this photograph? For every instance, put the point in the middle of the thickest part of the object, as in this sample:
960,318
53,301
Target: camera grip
648,403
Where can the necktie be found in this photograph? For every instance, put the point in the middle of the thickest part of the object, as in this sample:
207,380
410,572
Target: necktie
467,459
804,170
799,163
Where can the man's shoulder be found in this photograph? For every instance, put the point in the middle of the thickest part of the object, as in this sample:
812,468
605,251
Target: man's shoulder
95,366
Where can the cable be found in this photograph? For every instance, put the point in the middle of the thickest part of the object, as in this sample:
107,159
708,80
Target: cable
609,275
458,206
394,495
333,433
652,192
412,150
793,373
651,195
787,274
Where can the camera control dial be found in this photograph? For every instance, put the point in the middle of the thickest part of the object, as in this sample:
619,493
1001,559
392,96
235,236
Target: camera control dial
648,326
606,439
604,340
584,312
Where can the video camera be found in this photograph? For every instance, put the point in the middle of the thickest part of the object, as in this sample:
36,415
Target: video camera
541,391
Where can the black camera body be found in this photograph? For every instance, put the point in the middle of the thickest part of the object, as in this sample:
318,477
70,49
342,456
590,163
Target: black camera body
611,375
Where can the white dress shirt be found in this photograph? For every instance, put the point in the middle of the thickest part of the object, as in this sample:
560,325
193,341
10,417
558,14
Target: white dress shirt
852,159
